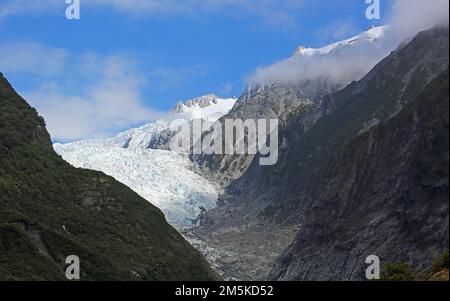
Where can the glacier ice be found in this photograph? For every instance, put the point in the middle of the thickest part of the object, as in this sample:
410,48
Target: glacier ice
166,179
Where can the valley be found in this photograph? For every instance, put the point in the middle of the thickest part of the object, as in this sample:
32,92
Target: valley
360,169
241,215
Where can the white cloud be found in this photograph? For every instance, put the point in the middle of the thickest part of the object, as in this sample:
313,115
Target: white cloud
88,95
337,30
32,58
407,18
110,103
93,95
340,68
80,96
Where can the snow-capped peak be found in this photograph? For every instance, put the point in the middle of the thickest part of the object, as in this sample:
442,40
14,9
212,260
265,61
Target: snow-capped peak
370,36
336,64
202,102
210,108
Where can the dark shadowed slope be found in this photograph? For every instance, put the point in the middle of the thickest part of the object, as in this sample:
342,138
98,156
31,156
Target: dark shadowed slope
269,203
387,194
286,187
49,210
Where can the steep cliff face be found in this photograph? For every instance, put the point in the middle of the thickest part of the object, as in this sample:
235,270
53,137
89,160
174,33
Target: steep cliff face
277,199
273,101
283,190
387,194
50,210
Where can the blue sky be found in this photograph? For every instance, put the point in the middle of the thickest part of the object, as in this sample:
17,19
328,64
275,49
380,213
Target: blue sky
165,53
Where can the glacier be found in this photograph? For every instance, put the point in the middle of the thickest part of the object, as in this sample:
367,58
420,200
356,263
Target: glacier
166,179
169,180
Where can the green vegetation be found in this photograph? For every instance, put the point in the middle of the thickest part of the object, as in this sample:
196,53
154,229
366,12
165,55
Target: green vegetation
443,260
404,272
398,272
50,210
439,270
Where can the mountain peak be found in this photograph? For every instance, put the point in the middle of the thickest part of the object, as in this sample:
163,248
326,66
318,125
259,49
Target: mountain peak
201,101
370,36
299,49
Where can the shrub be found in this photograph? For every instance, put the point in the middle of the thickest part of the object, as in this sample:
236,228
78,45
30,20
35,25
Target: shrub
442,262
398,272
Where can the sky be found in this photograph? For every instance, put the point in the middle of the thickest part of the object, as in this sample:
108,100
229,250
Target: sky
126,62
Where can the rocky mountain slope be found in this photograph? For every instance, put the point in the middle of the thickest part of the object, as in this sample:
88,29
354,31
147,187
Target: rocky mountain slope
381,94
270,203
50,210
386,194
296,83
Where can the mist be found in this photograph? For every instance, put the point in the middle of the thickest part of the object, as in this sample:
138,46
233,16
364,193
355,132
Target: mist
406,18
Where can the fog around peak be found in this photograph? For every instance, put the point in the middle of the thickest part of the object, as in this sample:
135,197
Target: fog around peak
341,66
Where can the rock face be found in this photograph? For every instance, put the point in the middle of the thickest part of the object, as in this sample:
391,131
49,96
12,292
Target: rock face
266,199
202,102
50,210
306,152
243,250
386,194
313,75
235,227
262,102
208,108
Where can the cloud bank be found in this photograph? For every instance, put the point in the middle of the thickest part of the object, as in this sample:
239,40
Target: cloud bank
406,19
82,96
88,95
110,103
339,67
30,58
